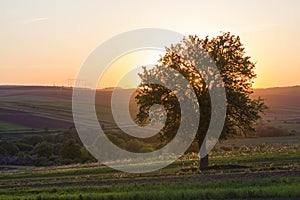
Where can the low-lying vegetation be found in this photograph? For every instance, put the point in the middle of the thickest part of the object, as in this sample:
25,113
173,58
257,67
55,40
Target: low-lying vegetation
244,188
261,171
43,149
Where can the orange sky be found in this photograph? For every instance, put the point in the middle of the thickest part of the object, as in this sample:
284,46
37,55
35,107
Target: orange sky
45,42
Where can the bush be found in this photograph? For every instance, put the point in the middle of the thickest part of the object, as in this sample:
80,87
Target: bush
9,148
117,141
24,147
146,149
86,156
137,146
43,149
3,151
70,150
32,140
270,131
134,145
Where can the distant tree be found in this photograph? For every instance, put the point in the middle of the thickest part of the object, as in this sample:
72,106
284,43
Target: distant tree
3,152
237,71
117,140
24,147
43,149
32,140
86,156
135,145
9,148
71,150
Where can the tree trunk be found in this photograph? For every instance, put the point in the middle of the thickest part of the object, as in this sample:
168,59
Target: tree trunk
203,162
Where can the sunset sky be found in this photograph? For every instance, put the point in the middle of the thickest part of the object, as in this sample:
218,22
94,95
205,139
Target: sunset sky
45,42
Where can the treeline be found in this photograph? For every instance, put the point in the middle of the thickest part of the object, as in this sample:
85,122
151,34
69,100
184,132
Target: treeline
44,149
63,148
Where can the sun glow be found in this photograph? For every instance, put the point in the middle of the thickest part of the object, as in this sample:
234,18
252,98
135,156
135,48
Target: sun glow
123,72
45,42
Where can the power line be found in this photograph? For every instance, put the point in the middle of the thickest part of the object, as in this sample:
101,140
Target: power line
71,82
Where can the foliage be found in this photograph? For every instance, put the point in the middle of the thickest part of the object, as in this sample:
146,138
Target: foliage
8,148
271,131
256,172
70,149
44,149
236,69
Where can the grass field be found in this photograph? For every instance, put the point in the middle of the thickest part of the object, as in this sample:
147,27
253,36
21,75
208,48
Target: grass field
241,168
263,171
55,103
9,126
249,188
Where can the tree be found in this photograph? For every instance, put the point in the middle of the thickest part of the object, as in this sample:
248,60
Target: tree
236,70
43,149
71,150
8,148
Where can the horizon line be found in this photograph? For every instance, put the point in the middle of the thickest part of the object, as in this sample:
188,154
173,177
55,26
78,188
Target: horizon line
113,87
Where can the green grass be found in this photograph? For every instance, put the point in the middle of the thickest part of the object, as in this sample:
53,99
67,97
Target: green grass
265,154
243,188
241,159
100,182
4,126
59,173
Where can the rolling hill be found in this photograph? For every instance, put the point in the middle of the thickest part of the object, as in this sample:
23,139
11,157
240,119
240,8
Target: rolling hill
38,107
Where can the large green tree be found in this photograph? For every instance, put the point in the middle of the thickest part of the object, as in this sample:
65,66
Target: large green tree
237,73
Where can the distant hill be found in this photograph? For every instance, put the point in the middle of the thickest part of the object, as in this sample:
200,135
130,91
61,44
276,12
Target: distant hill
283,114
41,107
280,96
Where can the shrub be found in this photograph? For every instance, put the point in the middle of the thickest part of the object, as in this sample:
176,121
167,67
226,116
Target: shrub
270,131
70,150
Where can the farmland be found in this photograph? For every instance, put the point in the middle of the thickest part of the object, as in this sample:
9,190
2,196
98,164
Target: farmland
51,106
260,166
266,171
284,107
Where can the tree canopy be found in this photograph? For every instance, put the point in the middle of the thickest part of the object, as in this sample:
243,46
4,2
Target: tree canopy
237,73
